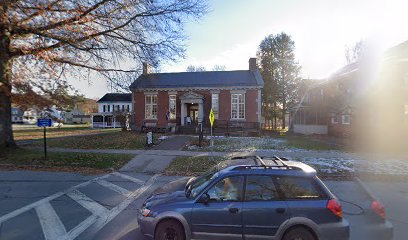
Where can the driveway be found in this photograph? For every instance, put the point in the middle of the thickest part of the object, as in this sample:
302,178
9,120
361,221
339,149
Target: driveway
41,205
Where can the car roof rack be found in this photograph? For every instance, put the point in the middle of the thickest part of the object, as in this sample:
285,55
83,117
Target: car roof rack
279,163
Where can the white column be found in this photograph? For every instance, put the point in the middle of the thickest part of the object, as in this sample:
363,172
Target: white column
200,112
114,121
92,116
183,112
103,121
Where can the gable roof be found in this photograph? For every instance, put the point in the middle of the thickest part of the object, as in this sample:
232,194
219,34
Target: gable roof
244,78
116,97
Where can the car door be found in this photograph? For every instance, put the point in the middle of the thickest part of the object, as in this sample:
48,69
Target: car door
263,209
305,198
221,217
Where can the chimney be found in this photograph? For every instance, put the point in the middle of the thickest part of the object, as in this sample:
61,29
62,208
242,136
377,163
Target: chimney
252,64
146,68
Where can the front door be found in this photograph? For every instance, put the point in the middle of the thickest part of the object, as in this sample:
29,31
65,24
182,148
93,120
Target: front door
221,217
192,112
263,210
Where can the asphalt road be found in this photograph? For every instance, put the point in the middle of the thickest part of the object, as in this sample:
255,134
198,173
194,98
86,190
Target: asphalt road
42,205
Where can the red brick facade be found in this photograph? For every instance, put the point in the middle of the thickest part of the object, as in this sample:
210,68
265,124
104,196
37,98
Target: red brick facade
251,106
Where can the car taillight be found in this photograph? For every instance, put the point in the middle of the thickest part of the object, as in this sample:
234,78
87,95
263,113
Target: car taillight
378,208
335,207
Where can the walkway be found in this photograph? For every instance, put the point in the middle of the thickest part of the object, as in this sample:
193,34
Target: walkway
173,143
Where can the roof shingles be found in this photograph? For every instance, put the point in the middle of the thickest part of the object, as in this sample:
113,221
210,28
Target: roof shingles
244,78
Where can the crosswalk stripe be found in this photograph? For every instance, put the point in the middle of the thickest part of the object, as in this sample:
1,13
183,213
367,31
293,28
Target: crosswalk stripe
51,224
128,177
94,207
102,221
114,187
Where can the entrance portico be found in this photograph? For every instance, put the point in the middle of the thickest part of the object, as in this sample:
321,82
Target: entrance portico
191,98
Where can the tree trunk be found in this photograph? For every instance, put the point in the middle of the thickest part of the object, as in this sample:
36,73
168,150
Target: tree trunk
284,114
274,116
6,132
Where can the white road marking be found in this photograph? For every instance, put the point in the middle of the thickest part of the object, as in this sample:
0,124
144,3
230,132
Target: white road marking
94,207
47,199
128,177
51,224
113,187
101,222
80,228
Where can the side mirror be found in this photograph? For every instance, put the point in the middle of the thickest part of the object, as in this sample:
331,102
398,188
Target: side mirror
205,198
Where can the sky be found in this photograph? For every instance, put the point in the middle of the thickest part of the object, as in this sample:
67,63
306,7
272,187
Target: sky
231,33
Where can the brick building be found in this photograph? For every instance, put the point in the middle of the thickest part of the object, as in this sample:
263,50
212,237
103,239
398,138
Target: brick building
328,106
164,100
369,99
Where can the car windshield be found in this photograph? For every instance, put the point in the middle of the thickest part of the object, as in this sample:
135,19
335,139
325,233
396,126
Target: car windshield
201,182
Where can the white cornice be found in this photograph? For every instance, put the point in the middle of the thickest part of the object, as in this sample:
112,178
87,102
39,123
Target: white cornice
196,89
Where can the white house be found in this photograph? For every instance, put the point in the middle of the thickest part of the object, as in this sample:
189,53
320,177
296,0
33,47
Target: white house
109,106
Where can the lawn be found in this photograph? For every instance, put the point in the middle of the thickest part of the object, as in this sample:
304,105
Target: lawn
281,143
30,132
191,166
112,140
28,157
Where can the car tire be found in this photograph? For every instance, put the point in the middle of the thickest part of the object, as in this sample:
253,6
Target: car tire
299,233
169,230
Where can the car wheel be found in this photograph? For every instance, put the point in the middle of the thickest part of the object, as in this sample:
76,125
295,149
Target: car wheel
298,233
169,230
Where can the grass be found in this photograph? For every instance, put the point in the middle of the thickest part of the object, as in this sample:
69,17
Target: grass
113,140
28,157
305,142
280,143
33,132
191,166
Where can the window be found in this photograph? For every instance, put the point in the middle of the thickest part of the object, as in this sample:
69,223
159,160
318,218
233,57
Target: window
104,108
215,104
151,106
260,188
172,106
108,108
346,119
238,106
227,189
300,188
334,119
128,108
123,108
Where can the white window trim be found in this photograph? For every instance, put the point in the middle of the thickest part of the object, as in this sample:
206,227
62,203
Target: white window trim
217,115
152,104
238,113
175,106
343,119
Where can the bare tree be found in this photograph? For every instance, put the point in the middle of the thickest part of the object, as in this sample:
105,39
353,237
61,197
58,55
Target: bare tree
353,53
219,68
192,68
43,41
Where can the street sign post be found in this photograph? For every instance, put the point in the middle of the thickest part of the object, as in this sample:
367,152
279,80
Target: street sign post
212,124
44,122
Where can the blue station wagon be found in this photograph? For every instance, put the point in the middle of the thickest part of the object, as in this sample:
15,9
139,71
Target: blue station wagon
246,198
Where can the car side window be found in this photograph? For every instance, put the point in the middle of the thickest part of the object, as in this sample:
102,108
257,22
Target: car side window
227,189
300,188
260,188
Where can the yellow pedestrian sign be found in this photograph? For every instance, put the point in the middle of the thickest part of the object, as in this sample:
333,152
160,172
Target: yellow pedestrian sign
211,117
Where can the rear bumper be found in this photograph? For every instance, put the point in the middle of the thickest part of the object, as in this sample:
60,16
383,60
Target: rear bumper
335,231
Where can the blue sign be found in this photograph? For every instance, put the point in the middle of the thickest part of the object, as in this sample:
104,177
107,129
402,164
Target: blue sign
44,122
